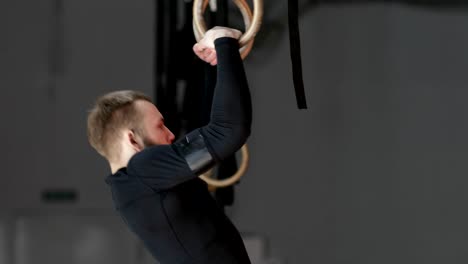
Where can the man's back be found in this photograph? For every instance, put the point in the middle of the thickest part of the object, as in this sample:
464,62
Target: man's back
180,225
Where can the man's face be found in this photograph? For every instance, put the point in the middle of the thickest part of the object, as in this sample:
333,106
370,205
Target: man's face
155,132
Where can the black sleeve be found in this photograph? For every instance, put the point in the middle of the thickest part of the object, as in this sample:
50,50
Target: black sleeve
231,111
162,167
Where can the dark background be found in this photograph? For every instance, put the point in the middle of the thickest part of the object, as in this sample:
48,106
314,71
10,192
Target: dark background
373,172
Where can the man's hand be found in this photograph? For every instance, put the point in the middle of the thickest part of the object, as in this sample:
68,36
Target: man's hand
205,49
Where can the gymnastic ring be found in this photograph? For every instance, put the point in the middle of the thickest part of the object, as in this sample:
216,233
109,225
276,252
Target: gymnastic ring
246,14
252,22
234,178
199,7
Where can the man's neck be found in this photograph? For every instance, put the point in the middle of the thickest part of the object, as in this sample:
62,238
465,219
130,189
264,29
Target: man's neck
126,153
115,167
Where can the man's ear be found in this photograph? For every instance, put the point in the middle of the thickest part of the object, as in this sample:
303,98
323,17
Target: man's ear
134,140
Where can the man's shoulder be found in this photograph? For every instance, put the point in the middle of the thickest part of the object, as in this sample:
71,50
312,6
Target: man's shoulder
120,176
155,160
127,188
152,153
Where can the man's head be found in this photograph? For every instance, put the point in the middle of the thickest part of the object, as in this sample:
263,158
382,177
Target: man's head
125,120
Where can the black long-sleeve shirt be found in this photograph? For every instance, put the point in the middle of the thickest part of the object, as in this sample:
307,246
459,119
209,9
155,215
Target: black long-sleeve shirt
165,203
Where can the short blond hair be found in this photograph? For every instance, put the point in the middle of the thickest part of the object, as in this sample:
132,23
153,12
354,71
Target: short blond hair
111,113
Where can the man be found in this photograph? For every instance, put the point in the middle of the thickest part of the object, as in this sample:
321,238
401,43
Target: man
154,181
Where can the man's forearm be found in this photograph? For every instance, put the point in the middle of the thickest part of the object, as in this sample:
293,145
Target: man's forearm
231,114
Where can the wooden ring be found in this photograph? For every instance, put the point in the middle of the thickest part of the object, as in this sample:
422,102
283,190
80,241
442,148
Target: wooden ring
234,178
252,22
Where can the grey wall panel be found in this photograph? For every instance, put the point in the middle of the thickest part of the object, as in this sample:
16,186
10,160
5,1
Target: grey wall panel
106,46
374,171
3,242
25,110
73,239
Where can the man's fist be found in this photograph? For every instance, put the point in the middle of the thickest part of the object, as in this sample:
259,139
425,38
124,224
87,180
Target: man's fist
205,50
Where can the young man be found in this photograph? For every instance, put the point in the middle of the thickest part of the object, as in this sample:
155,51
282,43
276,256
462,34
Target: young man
154,181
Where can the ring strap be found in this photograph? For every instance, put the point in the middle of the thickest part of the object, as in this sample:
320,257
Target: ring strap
295,50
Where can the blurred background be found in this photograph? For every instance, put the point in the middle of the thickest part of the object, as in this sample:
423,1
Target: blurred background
374,171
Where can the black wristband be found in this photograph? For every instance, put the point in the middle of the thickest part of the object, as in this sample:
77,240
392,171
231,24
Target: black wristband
193,148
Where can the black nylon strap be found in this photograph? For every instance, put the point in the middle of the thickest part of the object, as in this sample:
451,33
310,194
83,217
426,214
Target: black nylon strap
195,152
295,50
